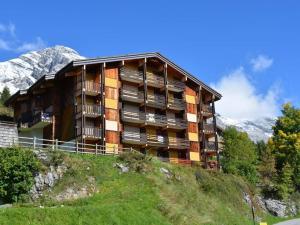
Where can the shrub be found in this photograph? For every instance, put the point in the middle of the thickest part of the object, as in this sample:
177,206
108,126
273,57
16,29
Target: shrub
136,161
17,169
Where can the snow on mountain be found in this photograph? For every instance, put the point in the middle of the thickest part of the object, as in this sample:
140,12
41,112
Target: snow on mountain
260,129
21,72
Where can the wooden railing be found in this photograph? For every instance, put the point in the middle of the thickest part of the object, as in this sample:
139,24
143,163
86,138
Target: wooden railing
176,103
157,101
66,146
177,123
176,85
207,109
129,74
156,119
134,96
208,127
92,87
156,140
90,132
90,110
210,146
178,143
155,80
129,116
132,137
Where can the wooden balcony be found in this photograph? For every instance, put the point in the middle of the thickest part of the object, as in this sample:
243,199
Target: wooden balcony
178,143
156,120
208,128
131,75
156,140
176,104
133,117
156,101
90,133
155,80
90,110
89,88
176,85
179,124
40,120
207,110
209,146
134,138
132,96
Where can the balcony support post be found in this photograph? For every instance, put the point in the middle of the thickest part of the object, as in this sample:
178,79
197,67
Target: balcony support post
166,81
215,130
145,81
103,102
200,126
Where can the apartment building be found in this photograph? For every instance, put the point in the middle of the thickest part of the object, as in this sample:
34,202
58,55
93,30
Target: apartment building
144,101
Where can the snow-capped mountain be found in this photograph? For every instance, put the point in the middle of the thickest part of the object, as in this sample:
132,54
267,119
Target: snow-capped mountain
21,72
259,129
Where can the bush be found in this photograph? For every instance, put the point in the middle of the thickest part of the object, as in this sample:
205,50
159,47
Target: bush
136,161
17,169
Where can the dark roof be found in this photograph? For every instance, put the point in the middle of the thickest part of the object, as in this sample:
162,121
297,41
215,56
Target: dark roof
81,62
140,56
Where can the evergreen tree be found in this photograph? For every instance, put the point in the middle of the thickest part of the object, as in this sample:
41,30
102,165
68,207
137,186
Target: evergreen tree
286,146
239,156
267,171
285,184
5,94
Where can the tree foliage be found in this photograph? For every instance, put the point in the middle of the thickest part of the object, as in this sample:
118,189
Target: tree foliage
286,146
239,156
5,94
17,168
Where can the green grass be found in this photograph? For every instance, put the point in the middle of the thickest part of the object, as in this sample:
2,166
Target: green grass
138,198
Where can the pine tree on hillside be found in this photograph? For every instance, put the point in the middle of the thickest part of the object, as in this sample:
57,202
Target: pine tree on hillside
286,146
5,94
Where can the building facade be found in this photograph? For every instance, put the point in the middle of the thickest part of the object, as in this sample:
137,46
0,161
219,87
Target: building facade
143,101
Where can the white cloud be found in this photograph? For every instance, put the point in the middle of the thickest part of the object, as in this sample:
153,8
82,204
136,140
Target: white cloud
240,98
30,46
261,63
10,42
4,45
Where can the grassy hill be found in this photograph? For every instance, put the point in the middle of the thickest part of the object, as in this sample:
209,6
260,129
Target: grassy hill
188,195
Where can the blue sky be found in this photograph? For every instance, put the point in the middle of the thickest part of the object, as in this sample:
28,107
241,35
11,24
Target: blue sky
252,43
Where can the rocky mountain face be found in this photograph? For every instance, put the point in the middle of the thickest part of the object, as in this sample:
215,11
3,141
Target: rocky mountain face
21,72
260,129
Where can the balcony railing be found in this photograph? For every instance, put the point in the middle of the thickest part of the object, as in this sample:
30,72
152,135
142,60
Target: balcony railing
132,96
176,85
209,146
155,80
90,132
156,140
91,88
134,138
179,143
156,101
176,104
131,75
177,123
90,110
133,117
208,127
41,119
207,109
156,119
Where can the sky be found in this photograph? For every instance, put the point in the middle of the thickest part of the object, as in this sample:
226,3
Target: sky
248,50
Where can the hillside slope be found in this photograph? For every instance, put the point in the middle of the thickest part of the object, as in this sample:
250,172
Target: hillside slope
183,195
